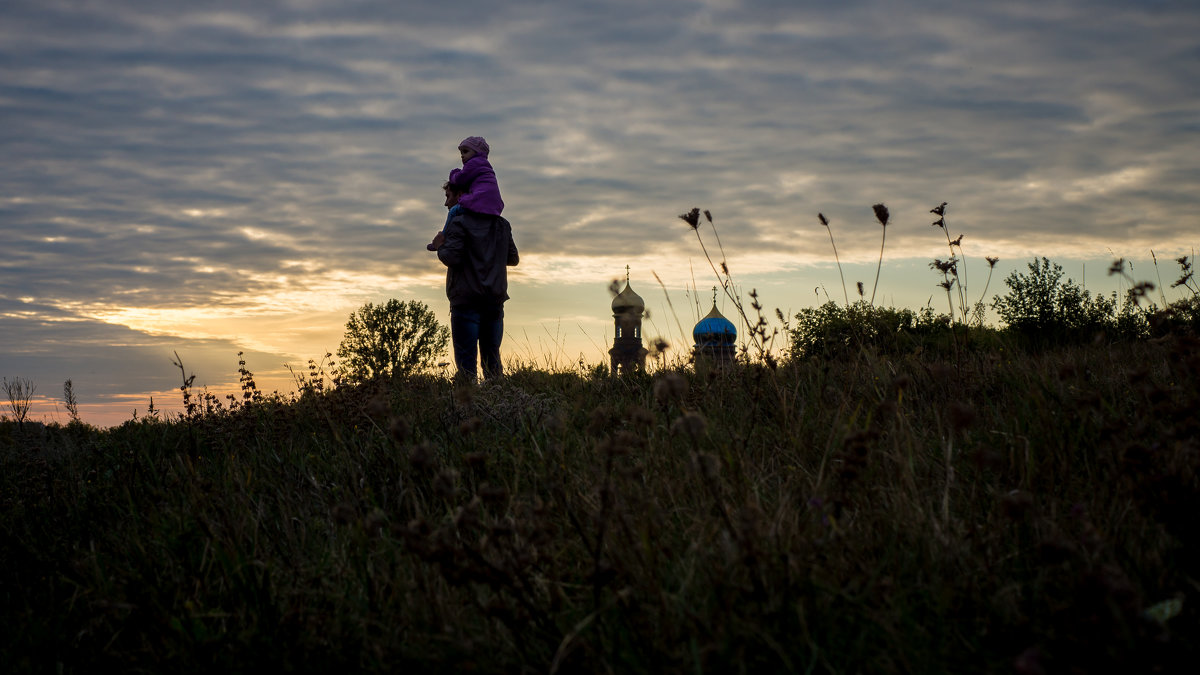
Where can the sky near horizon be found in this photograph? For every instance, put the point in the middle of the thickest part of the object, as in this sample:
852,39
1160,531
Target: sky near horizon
211,178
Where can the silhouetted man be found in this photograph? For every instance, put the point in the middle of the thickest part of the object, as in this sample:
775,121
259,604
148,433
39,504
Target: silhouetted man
477,252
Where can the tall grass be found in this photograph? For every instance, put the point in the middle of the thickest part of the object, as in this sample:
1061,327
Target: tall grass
861,514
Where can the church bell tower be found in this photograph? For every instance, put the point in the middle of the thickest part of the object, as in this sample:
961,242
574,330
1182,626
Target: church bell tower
627,351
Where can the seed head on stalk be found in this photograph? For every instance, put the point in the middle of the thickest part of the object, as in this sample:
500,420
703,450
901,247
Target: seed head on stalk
825,221
882,215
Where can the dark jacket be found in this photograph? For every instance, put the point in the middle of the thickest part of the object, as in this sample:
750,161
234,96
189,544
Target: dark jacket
477,252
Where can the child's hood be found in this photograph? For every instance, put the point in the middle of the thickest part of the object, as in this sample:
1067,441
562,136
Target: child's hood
476,143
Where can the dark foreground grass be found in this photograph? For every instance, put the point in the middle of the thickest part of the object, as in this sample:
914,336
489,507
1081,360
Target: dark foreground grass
1000,511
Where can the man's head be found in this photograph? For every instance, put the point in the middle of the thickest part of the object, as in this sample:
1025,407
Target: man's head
452,193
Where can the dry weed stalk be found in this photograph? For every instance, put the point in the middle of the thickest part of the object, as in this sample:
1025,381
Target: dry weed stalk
825,221
881,215
1186,275
756,330
940,212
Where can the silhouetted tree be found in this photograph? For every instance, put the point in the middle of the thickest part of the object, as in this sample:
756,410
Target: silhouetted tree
20,396
1040,306
392,339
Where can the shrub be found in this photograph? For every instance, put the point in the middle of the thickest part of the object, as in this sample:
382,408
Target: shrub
1182,315
1043,308
833,329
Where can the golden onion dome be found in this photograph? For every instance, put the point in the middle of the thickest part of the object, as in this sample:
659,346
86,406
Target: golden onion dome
628,301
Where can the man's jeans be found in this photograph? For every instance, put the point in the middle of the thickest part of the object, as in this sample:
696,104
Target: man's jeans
477,327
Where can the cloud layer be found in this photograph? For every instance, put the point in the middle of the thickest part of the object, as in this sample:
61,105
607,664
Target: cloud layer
189,166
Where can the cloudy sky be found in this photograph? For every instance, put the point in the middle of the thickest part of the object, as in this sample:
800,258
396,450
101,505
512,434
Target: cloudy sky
213,177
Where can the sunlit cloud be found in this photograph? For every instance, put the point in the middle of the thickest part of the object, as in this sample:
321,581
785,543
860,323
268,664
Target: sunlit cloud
203,213
1095,186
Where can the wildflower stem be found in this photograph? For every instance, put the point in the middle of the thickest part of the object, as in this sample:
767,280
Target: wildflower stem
962,295
828,229
726,280
682,333
1161,294
879,268
985,288
949,482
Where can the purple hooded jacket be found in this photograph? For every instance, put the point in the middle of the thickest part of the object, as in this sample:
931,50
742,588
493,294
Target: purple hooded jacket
479,180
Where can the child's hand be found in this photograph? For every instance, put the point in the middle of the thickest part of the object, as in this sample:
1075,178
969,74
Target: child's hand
437,242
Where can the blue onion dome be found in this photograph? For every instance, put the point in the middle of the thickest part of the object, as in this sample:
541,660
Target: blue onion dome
714,330
628,302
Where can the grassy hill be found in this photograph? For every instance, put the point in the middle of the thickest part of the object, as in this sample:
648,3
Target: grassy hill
987,507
